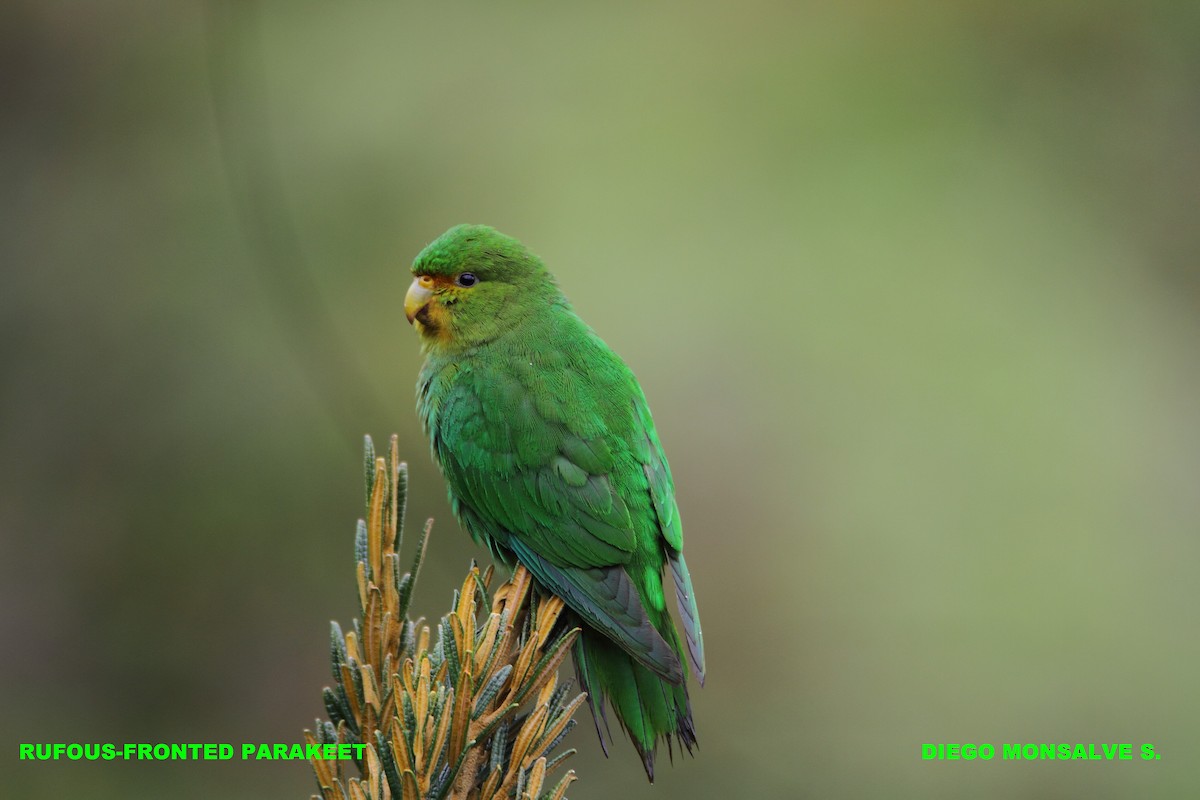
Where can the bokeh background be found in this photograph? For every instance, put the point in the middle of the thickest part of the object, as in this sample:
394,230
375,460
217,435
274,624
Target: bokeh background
912,289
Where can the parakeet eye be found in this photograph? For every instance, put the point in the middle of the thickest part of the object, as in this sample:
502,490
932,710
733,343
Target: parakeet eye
466,280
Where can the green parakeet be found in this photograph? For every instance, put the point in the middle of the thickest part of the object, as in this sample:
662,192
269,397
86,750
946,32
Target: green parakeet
551,459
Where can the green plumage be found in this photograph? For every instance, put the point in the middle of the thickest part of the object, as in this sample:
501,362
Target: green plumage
551,458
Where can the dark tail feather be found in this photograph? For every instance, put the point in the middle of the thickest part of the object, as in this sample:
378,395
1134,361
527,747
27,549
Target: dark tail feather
648,707
583,673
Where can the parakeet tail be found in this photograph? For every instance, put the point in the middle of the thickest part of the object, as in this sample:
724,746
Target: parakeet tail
647,706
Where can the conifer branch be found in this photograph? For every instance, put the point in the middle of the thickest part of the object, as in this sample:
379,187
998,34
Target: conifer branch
440,721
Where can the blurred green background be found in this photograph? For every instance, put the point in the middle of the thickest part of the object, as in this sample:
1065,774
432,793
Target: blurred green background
913,292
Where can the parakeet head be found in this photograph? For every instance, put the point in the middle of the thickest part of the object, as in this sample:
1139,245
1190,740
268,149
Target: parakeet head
473,283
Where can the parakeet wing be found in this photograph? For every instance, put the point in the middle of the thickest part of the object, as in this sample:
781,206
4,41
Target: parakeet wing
662,495
608,600
547,483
